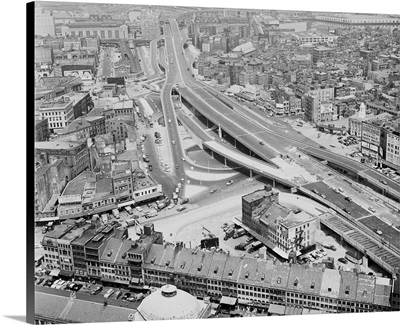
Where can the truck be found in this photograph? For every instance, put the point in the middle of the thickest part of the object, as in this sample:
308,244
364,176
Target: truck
229,233
239,233
130,222
152,213
104,218
115,213
129,209
255,246
175,198
241,247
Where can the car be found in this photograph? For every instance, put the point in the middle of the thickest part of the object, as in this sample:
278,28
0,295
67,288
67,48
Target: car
262,143
346,210
76,286
323,196
139,209
39,281
109,293
213,190
169,121
342,260
126,295
229,183
335,190
96,290
183,158
322,147
383,181
150,168
323,252
348,198
180,209
340,190
184,201
171,206
48,283
177,166
173,141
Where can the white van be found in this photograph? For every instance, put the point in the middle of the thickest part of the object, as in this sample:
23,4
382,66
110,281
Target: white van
115,213
108,293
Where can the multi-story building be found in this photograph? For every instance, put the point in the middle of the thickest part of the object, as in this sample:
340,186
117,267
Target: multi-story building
95,247
59,113
78,253
42,129
393,147
320,53
117,126
283,230
50,179
50,246
265,283
318,105
370,138
356,20
43,55
74,154
64,245
85,127
44,23
314,37
122,182
123,108
102,29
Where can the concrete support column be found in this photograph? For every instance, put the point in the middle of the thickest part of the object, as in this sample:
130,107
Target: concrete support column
235,141
273,183
251,173
212,153
224,161
219,131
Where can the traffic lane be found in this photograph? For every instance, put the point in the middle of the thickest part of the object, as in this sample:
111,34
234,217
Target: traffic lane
330,156
389,233
249,134
378,176
338,199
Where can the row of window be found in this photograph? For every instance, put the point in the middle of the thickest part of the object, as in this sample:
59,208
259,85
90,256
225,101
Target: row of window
89,33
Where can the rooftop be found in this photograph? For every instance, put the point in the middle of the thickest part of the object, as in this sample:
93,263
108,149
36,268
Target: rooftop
57,145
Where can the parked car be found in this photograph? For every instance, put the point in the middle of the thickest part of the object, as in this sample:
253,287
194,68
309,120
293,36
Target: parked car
96,290
342,260
126,295
229,183
39,281
184,201
213,190
180,209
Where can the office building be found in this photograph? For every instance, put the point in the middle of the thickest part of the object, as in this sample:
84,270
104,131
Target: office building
103,29
44,23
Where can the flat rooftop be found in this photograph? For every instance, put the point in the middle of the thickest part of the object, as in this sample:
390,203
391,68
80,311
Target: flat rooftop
56,145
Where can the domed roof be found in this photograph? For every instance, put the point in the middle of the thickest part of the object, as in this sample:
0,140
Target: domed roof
169,303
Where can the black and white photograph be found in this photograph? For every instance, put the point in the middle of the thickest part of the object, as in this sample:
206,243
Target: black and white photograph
200,162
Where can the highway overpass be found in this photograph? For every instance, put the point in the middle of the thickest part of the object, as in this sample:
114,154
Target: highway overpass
359,171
